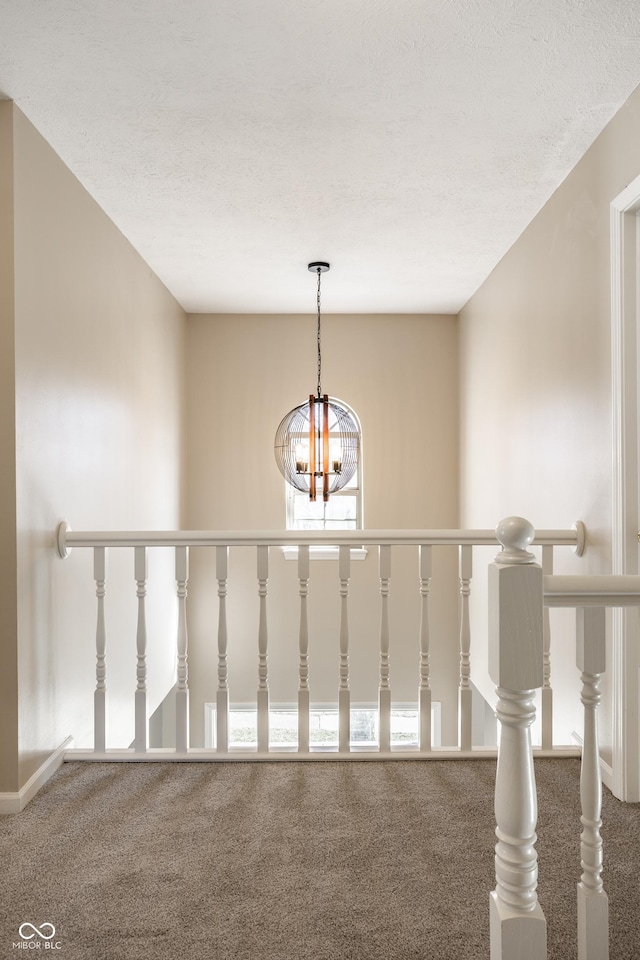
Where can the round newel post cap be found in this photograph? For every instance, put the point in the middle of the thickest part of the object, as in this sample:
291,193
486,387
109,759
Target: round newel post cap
515,534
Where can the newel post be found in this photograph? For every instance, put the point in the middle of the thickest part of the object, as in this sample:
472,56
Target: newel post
517,924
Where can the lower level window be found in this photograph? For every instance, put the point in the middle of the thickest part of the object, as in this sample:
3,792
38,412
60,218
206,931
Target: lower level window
323,726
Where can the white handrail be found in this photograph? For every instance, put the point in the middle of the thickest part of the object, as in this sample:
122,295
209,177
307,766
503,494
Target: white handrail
68,538
592,591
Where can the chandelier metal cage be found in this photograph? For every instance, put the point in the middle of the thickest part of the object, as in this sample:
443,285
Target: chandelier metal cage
317,443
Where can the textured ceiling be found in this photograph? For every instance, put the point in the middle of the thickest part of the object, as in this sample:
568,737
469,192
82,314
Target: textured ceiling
409,142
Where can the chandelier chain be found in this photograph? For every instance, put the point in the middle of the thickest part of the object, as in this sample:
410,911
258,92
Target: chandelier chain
319,347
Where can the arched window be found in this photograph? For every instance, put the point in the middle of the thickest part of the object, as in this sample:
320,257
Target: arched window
342,511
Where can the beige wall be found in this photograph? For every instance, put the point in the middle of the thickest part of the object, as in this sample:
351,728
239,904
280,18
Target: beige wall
398,372
244,373
535,371
98,368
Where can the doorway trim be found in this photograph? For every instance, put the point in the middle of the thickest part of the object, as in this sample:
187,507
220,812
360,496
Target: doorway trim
623,778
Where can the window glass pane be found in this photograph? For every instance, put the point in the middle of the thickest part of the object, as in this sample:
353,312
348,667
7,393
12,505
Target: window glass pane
305,509
340,508
309,525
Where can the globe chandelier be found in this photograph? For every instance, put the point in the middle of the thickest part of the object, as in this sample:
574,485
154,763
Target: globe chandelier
317,443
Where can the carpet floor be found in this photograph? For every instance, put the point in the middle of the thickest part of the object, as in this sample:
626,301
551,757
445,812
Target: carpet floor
283,861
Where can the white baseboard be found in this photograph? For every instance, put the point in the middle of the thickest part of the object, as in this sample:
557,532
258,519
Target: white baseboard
15,802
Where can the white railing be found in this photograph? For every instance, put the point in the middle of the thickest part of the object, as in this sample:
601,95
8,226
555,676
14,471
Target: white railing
423,541
518,592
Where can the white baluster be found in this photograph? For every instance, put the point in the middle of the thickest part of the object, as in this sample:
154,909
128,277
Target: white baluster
344,695
303,665
424,689
593,903
546,705
222,694
384,688
464,690
517,923
182,687
263,675
140,743
100,695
